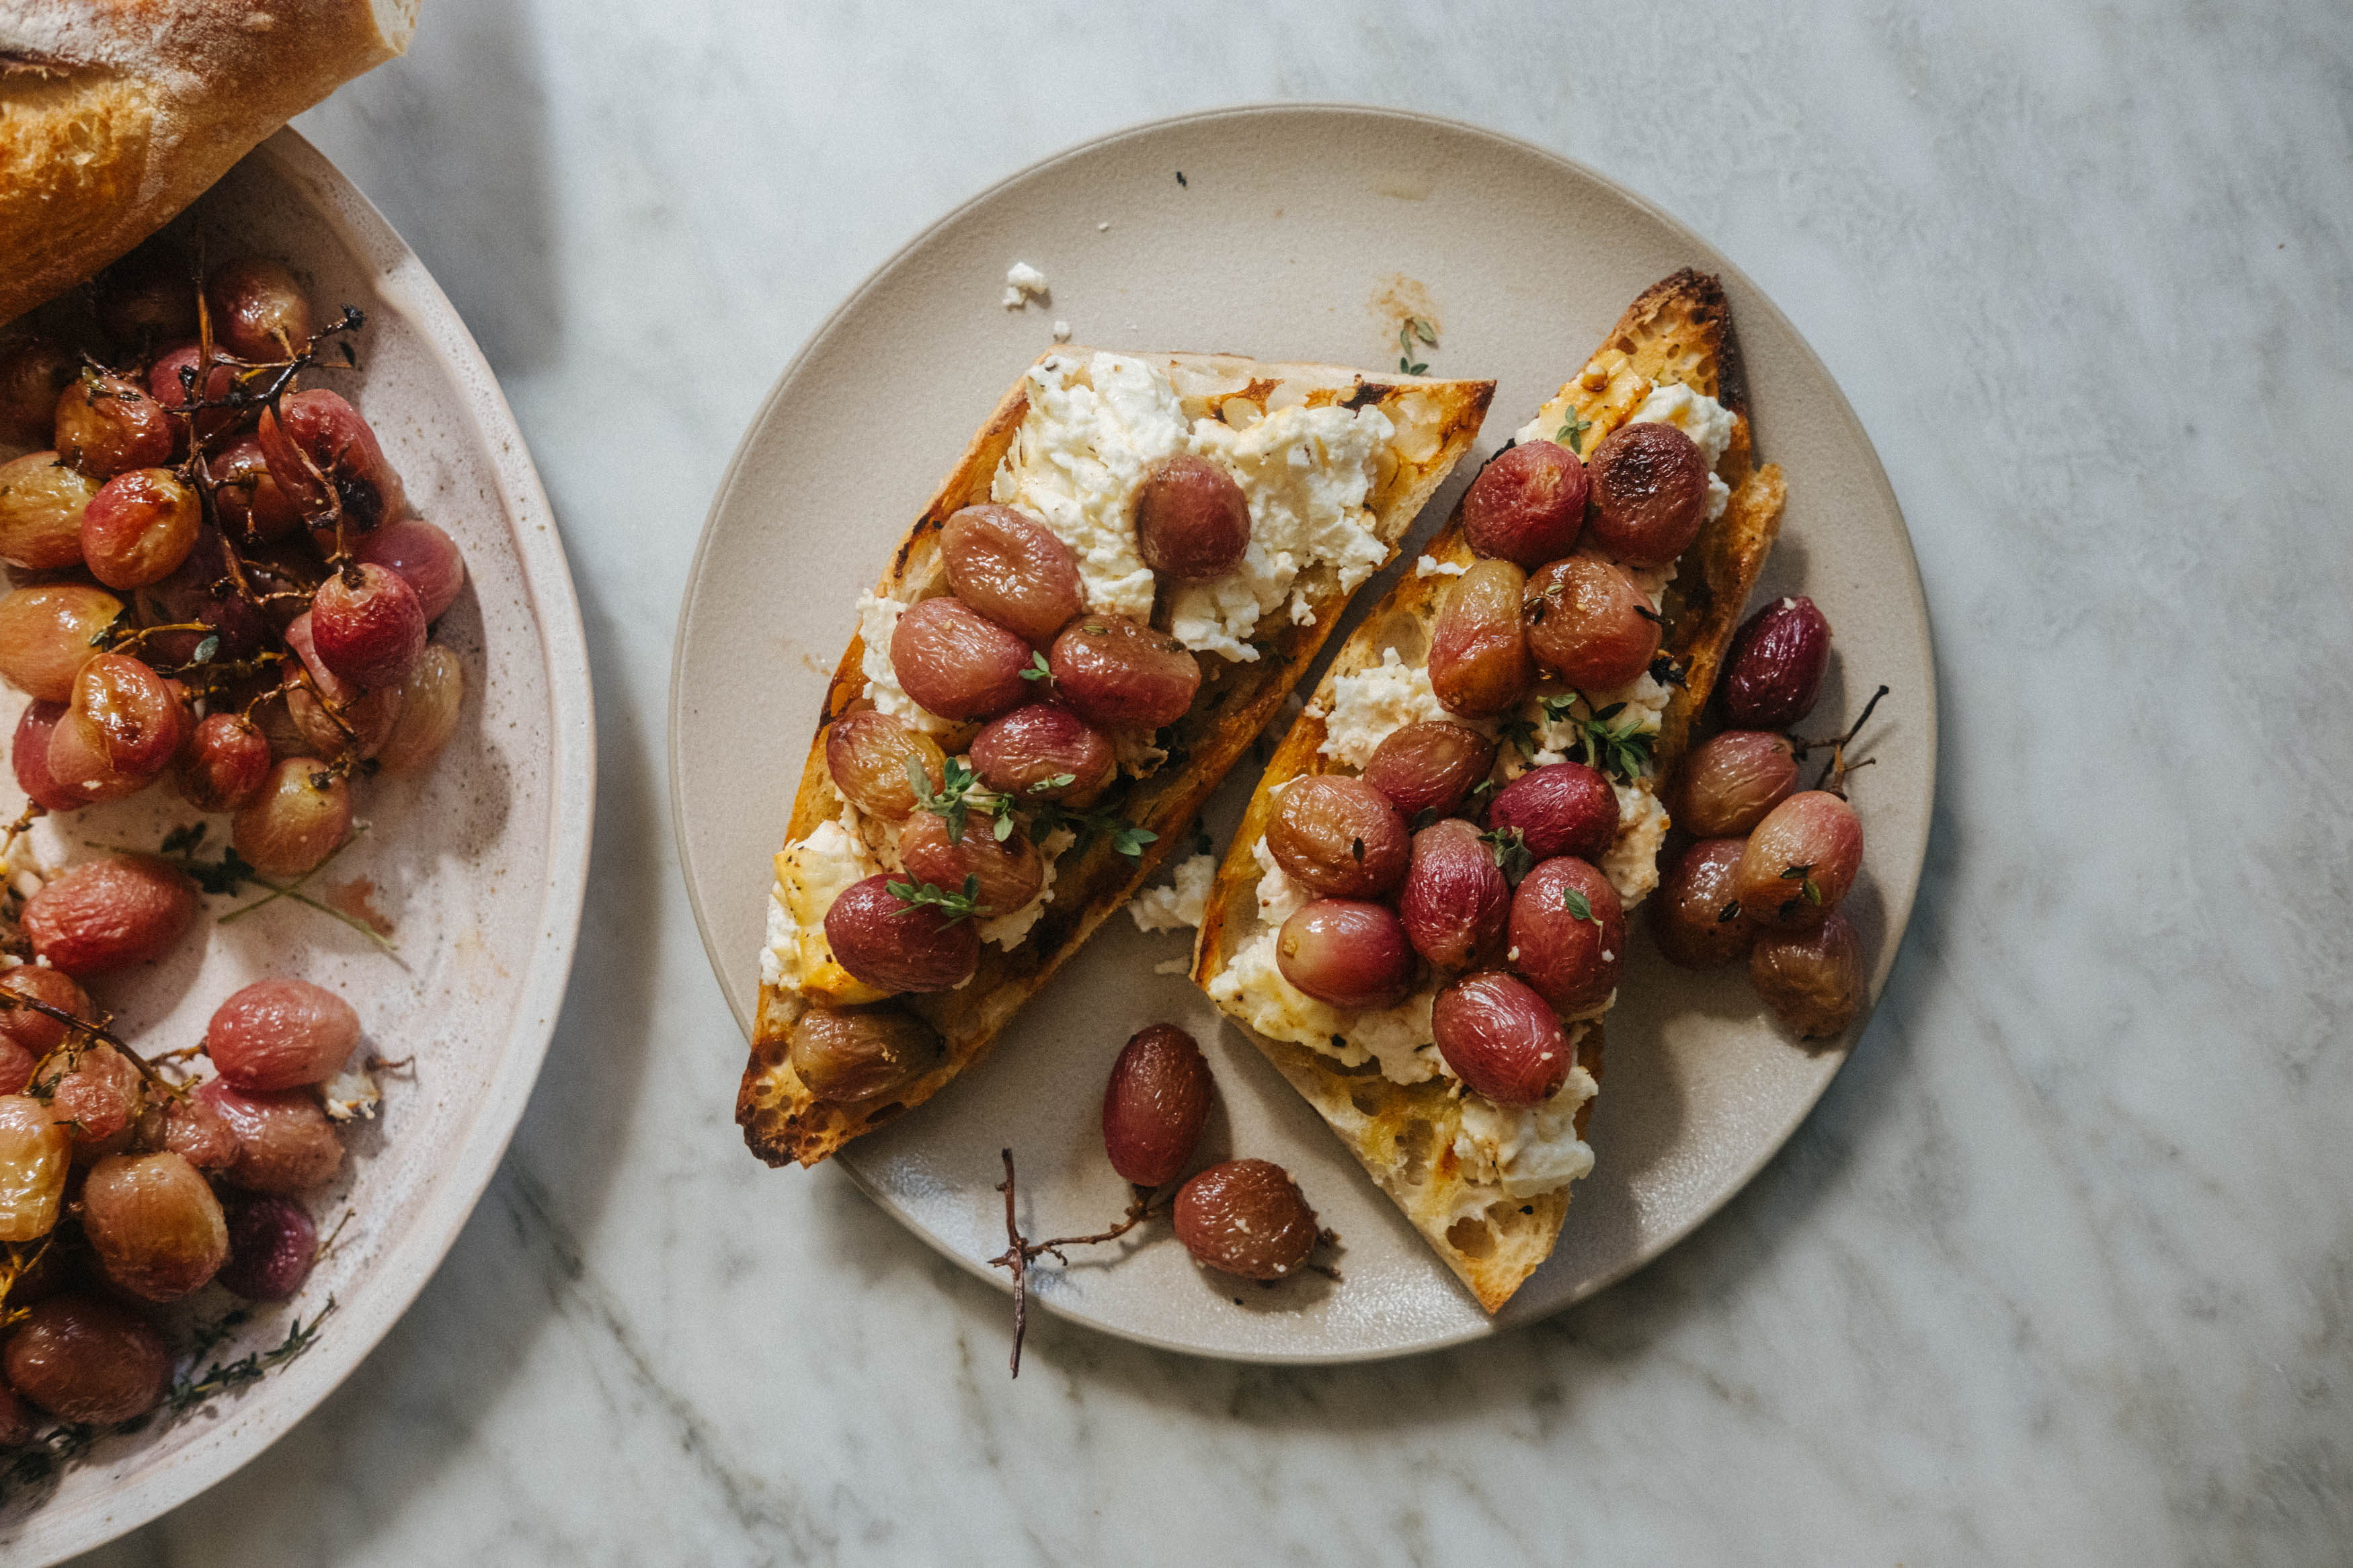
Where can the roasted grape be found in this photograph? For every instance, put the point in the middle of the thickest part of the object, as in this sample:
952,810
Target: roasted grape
1501,1039
867,753
41,503
1192,521
895,945
98,1099
1800,861
131,717
33,373
1562,808
1479,662
1586,623
1246,1217
273,1246
1338,837
279,1034
852,1056
1731,780
301,816
248,498
154,1223
38,1033
1009,870
35,1154
1012,569
1649,493
1695,918
1812,979
223,765
84,1358
331,714
46,632
1120,673
28,756
284,1141
1775,671
172,382
429,701
139,527
1527,505
111,913
107,425
258,309
1347,951
195,1130
1044,752
423,556
957,662
1430,767
17,1066
198,594
368,624
1567,934
1455,903
1156,1104
77,766
326,459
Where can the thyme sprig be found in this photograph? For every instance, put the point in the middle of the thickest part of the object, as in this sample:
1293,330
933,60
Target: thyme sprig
191,1391
1621,749
231,874
1572,433
1415,328
962,906
960,795
1513,856
1125,836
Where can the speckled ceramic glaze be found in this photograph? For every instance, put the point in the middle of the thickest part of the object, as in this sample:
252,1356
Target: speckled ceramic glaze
478,862
1294,234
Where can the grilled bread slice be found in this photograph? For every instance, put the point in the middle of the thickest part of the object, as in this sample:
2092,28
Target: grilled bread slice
1405,1134
1434,423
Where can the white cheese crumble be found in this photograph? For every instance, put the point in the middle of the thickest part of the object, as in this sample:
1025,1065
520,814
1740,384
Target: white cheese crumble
810,875
1181,905
1707,422
1007,930
1023,283
1394,1036
877,619
1631,861
1062,331
1526,1149
1366,709
1431,566
351,1092
1092,427
1279,898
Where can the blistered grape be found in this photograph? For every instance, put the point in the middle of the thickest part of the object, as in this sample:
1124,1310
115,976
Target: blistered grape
302,814
284,1141
78,767
852,1056
139,527
1479,662
1775,671
173,377
258,309
1649,493
41,503
1120,673
1561,809
110,914
84,1358
44,635
28,756
1571,958
280,1033
1800,861
326,458
223,765
1246,1217
1501,1038
1527,506
1347,951
100,1099
33,372
1154,1105
248,497
893,946
867,753
154,1223
35,1155
37,1032
197,595
957,662
1810,978
194,1129
1587,623
1009,870
1431,767
1338,837
1012,569
1695,917
424,557
1192,521
1731,780
367,717
368,624
429,701
1455,901
108,424
1043,751
129,715
273,1246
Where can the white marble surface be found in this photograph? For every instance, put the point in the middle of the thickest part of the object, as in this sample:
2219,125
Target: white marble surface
2061,1270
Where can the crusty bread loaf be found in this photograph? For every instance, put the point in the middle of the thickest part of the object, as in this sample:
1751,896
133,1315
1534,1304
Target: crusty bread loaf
115,114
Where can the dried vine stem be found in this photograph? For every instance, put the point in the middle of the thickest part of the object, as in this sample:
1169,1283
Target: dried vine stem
1020,1252
1834,772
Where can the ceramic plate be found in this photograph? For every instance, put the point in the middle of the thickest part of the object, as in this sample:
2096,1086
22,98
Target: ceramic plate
479,863
1295,232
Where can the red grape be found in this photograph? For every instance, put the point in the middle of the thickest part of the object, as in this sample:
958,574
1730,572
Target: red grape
273,1246
194,1129
247,496
225,764
97,1100
1562,808
1338,837
46,632
1346,952
1732,781
424,557
37,1032
368,624
1587,623
1456,901
1012,569
154,1223
280,1034
140,526
893,946
1010,870
429,701
1192,521
957,662
1527,505
297,821
1156,1104
1571,959
1811,979
29,757
111,913
130,717
1800,861
1689,916
1121,673
41,503
1430,767
147,298
866,753
35,1154
1501,1039
1649,493
258,309
108,424
1247,1218
173,376
1030,753
87,1359
1775,671
285,1142
326,459
1478,661
853,1055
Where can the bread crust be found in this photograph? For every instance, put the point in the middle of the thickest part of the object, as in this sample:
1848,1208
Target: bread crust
1678,329
116,114
1438,421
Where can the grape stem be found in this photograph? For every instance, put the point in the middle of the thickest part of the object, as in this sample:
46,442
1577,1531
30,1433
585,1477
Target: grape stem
1020,1252
1834,772
294,890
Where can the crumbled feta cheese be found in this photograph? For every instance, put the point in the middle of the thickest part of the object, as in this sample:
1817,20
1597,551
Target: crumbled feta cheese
1279,898
351,1092
1023,283
1631,861
1366,709
877,619
1392,1035
1431,566
1531,1149
1062,331
1707,422
1007,931
1181,905
810,874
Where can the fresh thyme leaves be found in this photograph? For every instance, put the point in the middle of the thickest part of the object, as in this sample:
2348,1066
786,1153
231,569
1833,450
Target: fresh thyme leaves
958,797
1521,732
1414,328
1125,836
1038,669
206,649
1807,888
1513,855
1579,908
1059,781
232,874
219,1378
1613,745
1572,433
955,906
1729,913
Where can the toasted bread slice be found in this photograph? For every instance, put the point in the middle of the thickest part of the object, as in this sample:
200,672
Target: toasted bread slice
1434,421
1405,1134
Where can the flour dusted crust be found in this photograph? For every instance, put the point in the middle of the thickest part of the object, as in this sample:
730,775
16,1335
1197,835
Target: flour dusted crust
1680,330
115,114
1436,422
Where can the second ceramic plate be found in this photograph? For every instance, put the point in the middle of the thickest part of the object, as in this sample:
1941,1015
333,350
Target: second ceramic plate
1299,233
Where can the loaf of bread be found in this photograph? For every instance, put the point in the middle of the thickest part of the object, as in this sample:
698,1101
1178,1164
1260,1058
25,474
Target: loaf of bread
115,114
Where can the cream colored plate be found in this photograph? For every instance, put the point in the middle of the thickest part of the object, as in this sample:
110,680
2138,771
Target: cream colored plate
480,861
1296,233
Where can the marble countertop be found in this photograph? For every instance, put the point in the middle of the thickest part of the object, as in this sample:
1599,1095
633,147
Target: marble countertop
2061,1269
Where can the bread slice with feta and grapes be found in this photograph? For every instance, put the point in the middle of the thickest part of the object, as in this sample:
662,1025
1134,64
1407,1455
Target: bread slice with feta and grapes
1335,464
1487,1185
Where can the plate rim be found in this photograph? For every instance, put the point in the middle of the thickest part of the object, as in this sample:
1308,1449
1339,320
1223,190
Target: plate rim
1757,300
329,197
